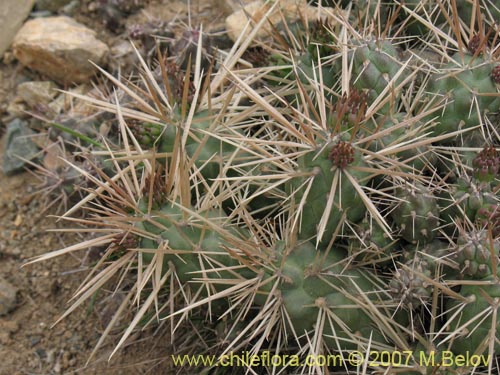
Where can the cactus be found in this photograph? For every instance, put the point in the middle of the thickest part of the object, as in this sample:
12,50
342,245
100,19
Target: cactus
313,284
476,255
300,208
486,165
416,215
377,69
474,327
412,283
421,17
321,171
488,217
193,250
306,70
370,244
460,203
467,91
147,134
403,128
348,111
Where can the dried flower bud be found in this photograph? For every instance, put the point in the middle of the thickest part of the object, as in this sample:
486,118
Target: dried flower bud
342,154
486,164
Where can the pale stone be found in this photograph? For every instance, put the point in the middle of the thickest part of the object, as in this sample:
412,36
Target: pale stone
81,108
292,10
58,104
37,92
16,109
65,103
12,15
59,48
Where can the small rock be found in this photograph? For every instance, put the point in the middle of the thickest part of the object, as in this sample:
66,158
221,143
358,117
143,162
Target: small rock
18,144
71,8
35,340
51,5
57,367
5,338
7,328
37,92
16,109
58,104
78,107
8,294
41,353
92,7
60,48
293,10
123,56
12,15
10,326
50,356
66,102
8,58
40,14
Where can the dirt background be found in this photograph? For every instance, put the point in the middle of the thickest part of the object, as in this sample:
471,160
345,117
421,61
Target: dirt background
29,344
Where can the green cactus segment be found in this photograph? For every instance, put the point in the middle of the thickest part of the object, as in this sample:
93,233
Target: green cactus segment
488,216
300,308
188,243
312,189
146,133
320,39
467,92
411,284
208,150
345,306
371,244
307,70
475,254
162,218
375,65
420,9
416,215
461,203
467,10
474,324
432,13
371,11
301,266
312,282
418,157
315,38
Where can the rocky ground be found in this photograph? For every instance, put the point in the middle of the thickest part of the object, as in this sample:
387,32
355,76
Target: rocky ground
36,295
33,297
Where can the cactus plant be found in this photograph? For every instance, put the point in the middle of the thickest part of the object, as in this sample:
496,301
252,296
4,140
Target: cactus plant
377,68
412,283
290,206
475,254
467,90
416,215
476,326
